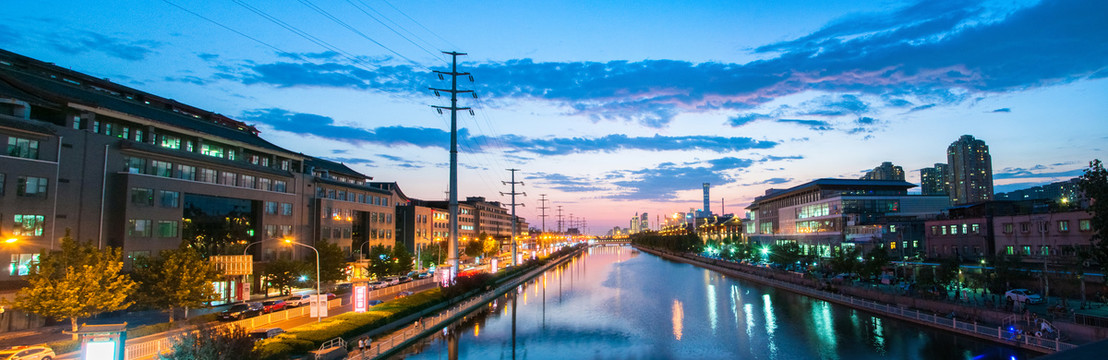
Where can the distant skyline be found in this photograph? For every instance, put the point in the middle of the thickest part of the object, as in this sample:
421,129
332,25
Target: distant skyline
617,107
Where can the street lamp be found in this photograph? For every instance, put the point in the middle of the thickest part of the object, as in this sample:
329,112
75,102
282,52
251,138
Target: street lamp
318,293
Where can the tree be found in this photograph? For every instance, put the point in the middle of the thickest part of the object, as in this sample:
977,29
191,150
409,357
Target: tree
78,281
875,260
433,253
379,261
490,247
402,260
845,261
332,262
213,343
473,248
282,273
1094,185
786,254
176,279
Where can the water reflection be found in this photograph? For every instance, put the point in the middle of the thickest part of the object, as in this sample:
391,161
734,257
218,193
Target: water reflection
611,305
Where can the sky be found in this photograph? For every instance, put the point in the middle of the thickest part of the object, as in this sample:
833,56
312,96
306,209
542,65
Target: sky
612,108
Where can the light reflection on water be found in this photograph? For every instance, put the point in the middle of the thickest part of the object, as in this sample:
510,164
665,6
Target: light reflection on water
612,302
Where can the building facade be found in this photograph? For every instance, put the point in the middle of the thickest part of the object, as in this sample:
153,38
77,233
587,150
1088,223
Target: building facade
885,171
971,171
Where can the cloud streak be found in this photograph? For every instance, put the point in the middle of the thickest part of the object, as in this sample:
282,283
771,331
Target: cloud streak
934,51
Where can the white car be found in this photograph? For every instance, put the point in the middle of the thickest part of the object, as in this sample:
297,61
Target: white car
35,352
1023,296
297,300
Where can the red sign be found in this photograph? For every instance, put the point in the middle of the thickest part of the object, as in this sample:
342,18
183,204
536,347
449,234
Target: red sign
360,299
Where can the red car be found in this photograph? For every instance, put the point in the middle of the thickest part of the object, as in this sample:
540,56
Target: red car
273,305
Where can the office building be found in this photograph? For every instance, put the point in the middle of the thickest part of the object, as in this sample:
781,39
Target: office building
935,180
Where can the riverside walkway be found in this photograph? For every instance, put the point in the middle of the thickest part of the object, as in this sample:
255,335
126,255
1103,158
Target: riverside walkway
423,324
1006,331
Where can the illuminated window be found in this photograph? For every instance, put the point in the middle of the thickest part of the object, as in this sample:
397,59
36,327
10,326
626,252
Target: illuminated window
1010,250
186,172
139,227
167,229
1063,225
30,186
22,264
28,225
161,168
211,150
1084,225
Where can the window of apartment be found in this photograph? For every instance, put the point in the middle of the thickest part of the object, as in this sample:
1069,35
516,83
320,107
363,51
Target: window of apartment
346,233
161,168
1083,224
389,217
253,159
170,199
1063,225
227,178
207,175
76,122
934,230
265,161
279,186
189,147
125,134
138,254
1010,250
22,264
167,229
285,164
286,209
142,196
108,129
139,227
976,228
373,217
138,135
135,165
28,225
342,195
247,181
30,186
1008,228
270,207
230,154
1044,250
211,150
1025,227
965,229
24,148
265,184
330,194
271,231
186,172
1027,250
915,244
943,228
286,230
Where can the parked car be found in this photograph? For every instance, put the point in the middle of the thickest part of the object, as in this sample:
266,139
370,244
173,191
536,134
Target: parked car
392,280
330,296
297,300
1023,296
344,288
33,352
241,311
404,279
378,285
402,294
265,333
273,305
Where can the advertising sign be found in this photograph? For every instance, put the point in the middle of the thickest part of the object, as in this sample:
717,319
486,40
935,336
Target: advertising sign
360,298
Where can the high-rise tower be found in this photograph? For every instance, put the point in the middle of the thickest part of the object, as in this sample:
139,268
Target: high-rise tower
971,171
885,171
706,212
935,180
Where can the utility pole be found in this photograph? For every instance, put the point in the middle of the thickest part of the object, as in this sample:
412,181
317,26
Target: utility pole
560,219
542,208
452,257
515,259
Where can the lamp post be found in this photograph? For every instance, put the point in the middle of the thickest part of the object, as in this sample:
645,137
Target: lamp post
249,245
318,293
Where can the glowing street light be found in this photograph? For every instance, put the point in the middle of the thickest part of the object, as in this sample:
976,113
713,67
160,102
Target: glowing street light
318,293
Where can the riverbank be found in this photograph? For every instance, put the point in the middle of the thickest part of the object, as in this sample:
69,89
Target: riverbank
416,326
996,326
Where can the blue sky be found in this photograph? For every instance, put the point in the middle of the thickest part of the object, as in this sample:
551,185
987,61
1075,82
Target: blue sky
617,107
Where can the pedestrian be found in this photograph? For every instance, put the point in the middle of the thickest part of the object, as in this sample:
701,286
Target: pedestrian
361,344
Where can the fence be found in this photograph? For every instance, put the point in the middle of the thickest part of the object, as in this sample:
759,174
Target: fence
1004,333
151,348
418,328
1090,320
400,287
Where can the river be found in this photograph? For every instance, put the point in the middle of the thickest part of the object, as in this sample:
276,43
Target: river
617,303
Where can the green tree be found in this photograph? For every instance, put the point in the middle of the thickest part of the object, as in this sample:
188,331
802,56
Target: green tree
845,261
490,247
176,279
78,281
283,273
875,260
785,254
379,261
213,343
401,260
1094,184
473,248
433,253
332,262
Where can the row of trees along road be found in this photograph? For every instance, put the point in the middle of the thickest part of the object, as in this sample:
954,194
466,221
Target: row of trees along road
81,280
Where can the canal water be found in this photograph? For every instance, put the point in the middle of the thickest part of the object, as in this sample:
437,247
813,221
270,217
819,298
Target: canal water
617,303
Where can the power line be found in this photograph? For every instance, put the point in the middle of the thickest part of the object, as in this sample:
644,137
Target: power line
328,15
420,25
433,54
